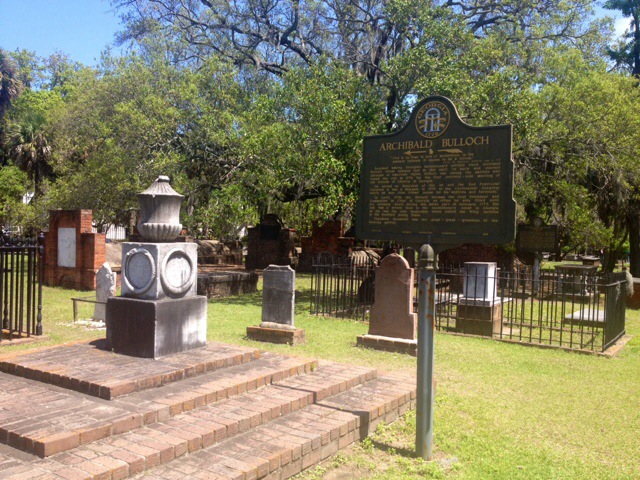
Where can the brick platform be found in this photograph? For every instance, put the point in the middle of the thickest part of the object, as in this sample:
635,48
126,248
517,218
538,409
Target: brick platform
91,369
269,417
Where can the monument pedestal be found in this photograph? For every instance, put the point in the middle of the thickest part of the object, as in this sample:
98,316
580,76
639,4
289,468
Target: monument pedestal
156,328
479,317
276,333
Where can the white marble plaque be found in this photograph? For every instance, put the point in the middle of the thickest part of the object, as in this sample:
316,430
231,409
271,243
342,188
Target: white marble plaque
480,280
67,247
177,272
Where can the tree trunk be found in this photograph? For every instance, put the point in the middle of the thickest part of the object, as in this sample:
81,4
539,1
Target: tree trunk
633,226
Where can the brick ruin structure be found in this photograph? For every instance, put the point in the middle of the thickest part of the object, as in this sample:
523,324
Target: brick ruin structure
473,252
72,252
270,243
326,238
212,252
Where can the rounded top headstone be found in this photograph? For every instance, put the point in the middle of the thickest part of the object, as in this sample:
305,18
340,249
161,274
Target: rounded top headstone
160,211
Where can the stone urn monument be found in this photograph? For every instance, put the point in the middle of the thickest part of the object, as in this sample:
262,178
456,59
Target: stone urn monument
159,312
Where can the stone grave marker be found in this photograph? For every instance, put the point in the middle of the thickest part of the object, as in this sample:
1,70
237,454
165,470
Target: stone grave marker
105,288
392,324
409,254
278,308
480,309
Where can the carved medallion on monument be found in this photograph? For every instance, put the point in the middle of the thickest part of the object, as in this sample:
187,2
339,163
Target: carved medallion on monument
138,271
178,272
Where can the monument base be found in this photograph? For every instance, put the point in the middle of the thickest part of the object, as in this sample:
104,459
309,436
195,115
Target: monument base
156,328
277,333
389,344
479,317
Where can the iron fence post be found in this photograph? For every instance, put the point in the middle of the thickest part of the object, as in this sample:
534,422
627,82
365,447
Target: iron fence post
40,280
426,328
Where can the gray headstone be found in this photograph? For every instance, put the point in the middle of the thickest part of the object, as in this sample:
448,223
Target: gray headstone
278,295
105,288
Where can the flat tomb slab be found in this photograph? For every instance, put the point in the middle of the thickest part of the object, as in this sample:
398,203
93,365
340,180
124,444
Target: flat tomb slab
223,283
388,344
91,369
291,336
586,318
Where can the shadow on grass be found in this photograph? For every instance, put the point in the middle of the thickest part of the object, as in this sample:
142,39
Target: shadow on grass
404,452
247,299
303,300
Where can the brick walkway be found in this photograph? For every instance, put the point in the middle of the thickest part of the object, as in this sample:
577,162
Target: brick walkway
217,412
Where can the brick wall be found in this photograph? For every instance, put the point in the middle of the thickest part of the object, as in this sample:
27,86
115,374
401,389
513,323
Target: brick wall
329,237
263,252
90,250
472,252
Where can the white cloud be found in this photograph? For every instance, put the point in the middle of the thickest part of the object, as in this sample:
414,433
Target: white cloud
621,25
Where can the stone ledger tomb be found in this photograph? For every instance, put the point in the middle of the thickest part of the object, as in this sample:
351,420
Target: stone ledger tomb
278,305
159,312
392,324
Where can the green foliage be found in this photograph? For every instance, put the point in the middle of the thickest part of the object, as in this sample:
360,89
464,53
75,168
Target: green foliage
626,54
12,187
583,159
303,139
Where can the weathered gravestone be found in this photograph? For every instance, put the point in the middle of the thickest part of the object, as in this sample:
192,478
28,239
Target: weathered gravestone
392,323
105,288
278,308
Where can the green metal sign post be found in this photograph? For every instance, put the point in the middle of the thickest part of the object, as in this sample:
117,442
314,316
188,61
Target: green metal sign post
426,332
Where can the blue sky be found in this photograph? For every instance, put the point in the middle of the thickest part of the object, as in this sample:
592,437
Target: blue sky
80,28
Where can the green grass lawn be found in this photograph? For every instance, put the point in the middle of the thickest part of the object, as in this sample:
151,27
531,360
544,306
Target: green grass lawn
502,411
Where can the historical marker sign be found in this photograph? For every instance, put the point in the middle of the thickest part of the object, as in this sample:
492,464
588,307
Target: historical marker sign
438,180
537,237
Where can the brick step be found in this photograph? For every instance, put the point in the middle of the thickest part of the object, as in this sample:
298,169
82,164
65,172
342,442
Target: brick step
92,369
274,430
294,442
56,420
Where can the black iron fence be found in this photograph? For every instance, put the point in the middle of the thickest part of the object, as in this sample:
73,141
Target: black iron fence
570,307
343,286
20,287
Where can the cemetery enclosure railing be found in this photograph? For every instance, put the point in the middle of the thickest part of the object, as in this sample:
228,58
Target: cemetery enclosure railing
574,309
20,287
342,286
